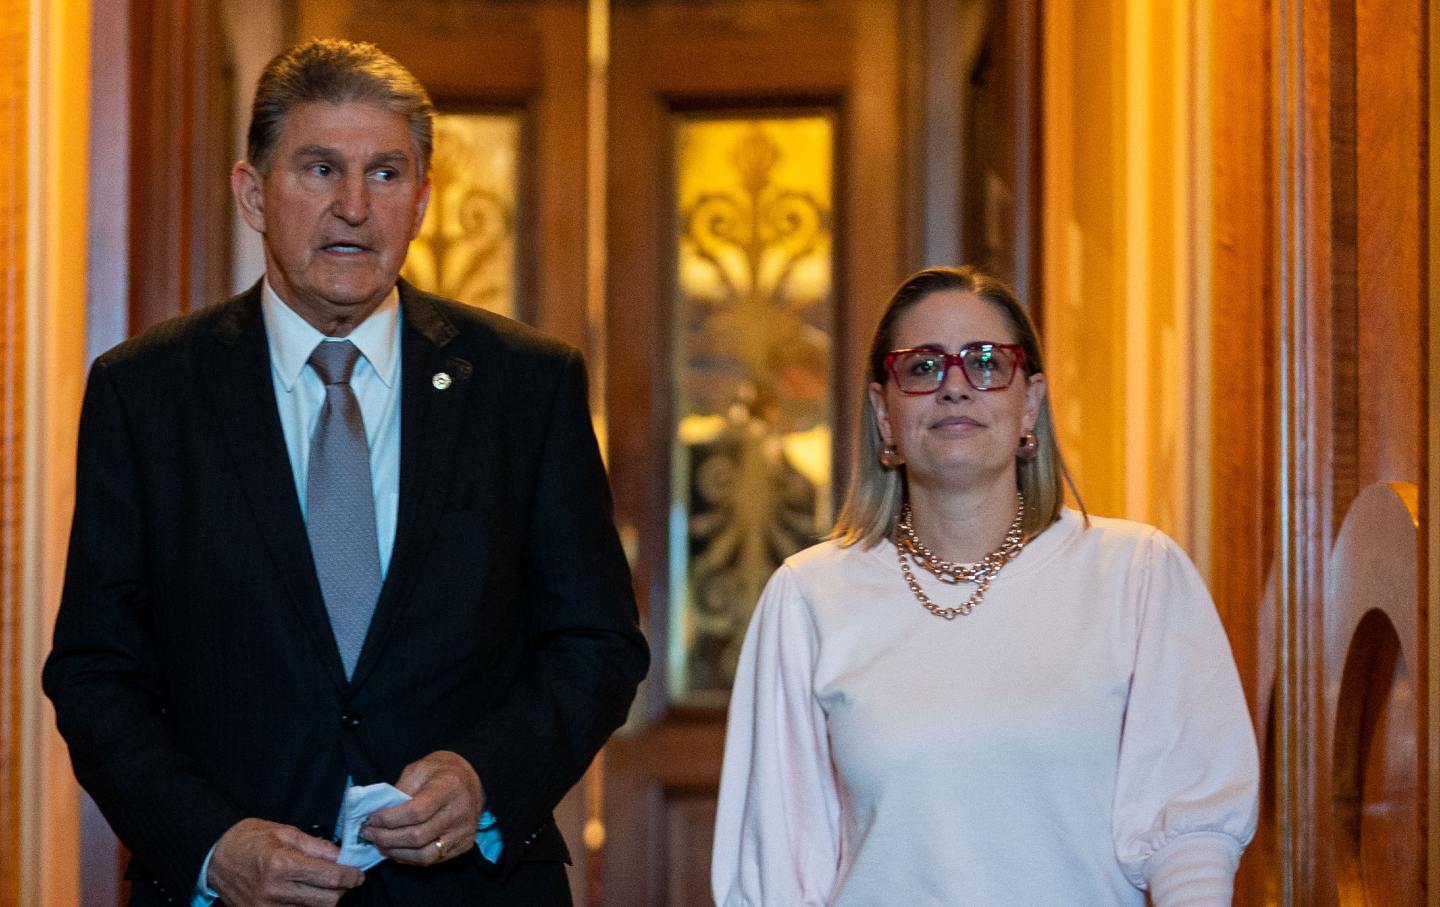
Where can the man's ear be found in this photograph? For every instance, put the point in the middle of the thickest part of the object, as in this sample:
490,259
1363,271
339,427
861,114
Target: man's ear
248,185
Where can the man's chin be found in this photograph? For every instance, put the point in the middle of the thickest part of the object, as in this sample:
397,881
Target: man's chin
337,305
356,295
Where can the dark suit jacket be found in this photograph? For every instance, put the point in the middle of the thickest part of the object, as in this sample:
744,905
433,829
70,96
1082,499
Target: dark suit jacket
194,674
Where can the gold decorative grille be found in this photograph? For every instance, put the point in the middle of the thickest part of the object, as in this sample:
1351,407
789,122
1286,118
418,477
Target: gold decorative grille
750,481
466,248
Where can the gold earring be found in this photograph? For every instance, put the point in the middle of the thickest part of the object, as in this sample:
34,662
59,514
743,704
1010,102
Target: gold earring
890,457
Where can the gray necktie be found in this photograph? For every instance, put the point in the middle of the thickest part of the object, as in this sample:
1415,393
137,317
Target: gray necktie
340,504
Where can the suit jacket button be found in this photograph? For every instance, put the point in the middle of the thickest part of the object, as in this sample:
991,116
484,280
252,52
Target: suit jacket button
349,721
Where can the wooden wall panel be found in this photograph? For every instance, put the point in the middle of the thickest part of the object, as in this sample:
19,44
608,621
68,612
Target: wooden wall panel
1316,275
1335,247
1084,202
158,251
1429,669
1000,171
690,834
1243,459
1373,801
179,223
1367,792
14,44
1348,138
1389,171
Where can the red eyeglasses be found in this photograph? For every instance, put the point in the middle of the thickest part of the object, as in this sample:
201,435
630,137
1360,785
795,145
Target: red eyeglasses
986,366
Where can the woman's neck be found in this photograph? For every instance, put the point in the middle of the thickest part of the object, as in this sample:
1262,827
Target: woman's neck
963,525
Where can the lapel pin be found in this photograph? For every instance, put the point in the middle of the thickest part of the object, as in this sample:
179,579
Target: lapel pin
441,380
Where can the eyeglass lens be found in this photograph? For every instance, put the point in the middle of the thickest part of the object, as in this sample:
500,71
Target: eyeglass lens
985,367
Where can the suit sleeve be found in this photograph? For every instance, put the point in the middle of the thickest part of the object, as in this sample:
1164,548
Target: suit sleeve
585,653
103,673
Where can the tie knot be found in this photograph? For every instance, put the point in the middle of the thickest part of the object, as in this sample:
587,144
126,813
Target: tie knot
334,360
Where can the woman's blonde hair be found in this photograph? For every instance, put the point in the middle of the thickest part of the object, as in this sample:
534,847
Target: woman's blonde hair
876,493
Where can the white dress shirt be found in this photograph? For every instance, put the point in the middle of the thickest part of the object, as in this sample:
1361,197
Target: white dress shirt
300,394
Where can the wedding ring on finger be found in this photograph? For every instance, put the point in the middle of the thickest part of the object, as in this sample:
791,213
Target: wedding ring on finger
439,849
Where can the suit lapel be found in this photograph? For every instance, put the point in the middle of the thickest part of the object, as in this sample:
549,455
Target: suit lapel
238,375
434,387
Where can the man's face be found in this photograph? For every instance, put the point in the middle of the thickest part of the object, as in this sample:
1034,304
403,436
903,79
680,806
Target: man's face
338,204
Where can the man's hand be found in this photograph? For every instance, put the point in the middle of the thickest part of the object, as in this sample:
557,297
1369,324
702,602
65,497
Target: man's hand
261,863
446,808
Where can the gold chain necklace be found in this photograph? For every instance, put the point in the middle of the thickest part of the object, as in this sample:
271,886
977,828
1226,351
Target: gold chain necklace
982,573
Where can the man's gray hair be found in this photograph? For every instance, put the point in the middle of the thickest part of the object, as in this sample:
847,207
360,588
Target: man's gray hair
333,71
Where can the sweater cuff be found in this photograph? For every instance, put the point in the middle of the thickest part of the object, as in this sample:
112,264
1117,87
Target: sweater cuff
1194,870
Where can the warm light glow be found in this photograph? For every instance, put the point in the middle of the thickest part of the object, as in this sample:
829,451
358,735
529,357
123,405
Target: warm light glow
57,127
717,158
466,247
1122,223
752,455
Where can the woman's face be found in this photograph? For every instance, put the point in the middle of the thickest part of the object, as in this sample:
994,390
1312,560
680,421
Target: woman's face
956,435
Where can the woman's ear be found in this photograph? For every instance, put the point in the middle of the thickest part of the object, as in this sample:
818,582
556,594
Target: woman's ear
1035,391
882,415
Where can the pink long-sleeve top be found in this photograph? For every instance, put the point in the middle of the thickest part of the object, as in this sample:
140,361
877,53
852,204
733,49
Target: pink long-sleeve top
1079,739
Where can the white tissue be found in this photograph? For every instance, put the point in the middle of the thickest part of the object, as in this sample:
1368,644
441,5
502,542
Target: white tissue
359,803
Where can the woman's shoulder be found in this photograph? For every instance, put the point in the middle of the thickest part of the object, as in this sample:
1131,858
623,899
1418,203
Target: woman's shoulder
1091,530
825,581
829,556
1114,539
1078,538
824,571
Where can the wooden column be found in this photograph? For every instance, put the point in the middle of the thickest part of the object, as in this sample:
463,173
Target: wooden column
179,219
14,46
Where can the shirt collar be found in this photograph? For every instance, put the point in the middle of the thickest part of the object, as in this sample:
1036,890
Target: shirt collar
293,339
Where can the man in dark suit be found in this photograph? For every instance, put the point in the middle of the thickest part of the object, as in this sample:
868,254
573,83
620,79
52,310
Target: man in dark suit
336,531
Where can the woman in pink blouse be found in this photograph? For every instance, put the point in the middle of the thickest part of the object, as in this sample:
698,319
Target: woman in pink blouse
972,694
